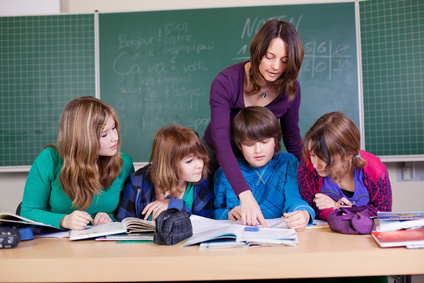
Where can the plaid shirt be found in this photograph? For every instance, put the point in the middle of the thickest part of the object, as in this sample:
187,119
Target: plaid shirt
140,191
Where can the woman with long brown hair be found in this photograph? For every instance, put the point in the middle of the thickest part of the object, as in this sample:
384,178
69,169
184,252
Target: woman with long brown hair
268,79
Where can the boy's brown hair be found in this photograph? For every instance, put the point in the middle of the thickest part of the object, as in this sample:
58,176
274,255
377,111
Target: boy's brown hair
256,123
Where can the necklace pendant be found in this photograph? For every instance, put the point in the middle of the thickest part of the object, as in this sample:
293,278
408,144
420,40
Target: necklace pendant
263,95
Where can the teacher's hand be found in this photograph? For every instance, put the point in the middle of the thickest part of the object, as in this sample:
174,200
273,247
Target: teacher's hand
250,211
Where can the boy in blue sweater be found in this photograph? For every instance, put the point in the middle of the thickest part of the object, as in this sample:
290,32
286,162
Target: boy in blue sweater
271,175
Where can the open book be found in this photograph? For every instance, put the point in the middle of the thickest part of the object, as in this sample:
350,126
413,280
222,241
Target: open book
205,230
392,221
144,236
127,225
11,219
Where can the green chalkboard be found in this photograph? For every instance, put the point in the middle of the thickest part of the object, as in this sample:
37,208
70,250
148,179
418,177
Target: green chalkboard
392,40
45,61
156,68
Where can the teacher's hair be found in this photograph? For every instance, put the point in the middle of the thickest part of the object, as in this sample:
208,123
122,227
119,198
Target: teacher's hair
259,46
171,144
84,173
333,134
255,124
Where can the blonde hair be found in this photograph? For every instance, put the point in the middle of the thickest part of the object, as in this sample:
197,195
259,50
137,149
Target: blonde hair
333,134
84,173
170,145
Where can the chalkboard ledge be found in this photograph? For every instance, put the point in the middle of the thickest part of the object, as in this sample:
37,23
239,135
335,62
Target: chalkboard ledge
401,158
5,169
25,168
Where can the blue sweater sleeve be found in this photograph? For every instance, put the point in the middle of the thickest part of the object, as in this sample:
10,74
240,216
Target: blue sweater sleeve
294,201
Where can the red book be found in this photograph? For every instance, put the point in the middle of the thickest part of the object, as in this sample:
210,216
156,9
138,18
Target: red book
413,237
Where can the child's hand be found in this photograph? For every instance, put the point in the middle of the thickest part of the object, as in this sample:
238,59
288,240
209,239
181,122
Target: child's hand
343,202
77,220
323,201
101,218
297,219
235,214
155,208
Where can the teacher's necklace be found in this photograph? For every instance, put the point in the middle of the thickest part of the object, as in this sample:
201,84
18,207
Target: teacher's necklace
263,94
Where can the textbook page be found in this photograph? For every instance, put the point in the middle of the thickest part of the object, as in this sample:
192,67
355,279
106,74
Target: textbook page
97,231
38,229
205,229
127,225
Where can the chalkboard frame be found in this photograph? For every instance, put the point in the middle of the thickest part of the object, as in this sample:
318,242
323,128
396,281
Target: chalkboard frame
393,111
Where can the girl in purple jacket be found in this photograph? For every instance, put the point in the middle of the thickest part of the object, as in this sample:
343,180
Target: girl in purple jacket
334,172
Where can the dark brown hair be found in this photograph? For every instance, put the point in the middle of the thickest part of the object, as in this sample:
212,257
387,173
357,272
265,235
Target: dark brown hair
256,123
259,47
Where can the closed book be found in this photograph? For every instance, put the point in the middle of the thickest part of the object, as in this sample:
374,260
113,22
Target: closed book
399,238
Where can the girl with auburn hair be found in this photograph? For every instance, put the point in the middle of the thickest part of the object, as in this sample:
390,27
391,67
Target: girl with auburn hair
334,172
268,79
79,179
176,177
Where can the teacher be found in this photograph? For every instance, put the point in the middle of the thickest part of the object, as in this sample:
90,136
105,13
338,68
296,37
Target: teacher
268,79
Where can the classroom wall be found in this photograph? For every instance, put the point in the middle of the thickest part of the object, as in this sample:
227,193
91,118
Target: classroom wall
82,6
407,196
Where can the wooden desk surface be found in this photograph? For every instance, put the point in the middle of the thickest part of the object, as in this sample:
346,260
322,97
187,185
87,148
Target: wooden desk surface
320,253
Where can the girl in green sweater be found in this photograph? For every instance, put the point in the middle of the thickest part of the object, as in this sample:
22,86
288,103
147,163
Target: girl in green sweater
79,179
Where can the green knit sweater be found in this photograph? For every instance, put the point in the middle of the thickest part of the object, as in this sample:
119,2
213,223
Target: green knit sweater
45,201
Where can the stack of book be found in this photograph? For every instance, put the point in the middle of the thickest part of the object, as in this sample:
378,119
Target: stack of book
397,229
392,221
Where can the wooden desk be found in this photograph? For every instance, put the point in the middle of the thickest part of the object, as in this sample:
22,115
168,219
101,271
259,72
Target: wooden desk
320,253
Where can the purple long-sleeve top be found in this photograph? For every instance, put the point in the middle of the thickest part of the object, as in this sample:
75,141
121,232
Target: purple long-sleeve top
226,100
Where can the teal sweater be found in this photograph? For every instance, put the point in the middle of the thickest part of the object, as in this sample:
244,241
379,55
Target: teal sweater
45,201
